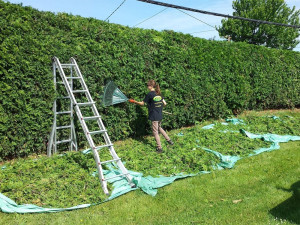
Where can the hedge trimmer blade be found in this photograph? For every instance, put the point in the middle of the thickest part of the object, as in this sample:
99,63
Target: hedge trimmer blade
112,95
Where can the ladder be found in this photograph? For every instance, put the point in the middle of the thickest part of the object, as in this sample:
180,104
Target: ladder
58,114
68,82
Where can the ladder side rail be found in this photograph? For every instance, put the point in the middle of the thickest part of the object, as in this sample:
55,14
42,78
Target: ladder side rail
89,97
85,129
74,138
53,128
65,81
88,94
55,131
71,116
100,123
84,126
52,142
68,87
120,164
95,153
77,70
73,142
78,112
111,148
54,110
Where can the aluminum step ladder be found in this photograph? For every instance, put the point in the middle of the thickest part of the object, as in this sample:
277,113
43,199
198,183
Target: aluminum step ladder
67,81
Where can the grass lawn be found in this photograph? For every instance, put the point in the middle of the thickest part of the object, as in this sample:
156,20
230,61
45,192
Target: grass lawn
263,189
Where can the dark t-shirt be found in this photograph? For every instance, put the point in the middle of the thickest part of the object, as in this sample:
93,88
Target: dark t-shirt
155,105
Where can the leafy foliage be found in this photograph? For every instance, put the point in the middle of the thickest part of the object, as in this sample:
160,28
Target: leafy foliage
263,34
281,125
66,180
200,79
60,181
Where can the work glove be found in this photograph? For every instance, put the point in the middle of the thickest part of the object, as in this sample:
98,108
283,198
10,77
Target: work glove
132,101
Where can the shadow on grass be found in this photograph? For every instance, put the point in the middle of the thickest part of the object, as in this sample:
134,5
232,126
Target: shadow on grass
140,125
289,209
145,141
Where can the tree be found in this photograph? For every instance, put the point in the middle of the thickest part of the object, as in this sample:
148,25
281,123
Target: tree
262,34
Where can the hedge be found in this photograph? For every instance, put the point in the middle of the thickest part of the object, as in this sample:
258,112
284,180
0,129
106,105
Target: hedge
200,79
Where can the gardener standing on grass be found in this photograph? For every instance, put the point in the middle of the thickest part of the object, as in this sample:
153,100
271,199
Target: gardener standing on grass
155,103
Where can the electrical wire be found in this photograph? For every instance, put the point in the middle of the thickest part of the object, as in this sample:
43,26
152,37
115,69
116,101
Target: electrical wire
150,17
201,31
115,10
195,18
217,14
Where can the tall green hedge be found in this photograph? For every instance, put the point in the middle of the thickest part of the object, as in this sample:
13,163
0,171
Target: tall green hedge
200,79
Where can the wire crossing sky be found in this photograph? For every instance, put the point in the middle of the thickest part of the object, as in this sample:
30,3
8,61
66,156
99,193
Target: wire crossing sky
217,14
133,13
115,10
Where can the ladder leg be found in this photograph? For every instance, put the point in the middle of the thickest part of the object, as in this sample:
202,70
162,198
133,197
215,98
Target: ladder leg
50,141
100,171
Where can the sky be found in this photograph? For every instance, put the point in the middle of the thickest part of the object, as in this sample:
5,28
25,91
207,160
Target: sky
133,13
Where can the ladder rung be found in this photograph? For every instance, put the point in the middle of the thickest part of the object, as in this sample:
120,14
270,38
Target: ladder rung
61,82
85,103
64,112
63,127
110,161
91,118
73,77
67,65
123,174
63,141
63,97
79,91
97,132
103,146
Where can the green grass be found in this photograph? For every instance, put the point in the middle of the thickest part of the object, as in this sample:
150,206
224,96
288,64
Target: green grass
266,187
261,182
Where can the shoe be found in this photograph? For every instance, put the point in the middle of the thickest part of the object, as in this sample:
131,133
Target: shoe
171,142
159,150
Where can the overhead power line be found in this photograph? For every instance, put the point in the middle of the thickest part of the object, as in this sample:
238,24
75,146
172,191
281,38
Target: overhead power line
195,18
150,17
115,10
217,14
204,31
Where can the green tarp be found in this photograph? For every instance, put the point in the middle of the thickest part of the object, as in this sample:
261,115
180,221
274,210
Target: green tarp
120,186
150,184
